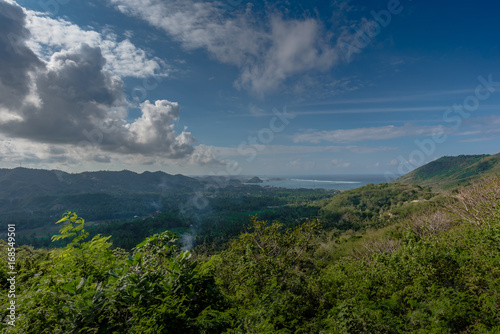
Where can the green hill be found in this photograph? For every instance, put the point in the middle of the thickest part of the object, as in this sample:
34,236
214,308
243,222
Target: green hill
452,172
25,182
375,205
32,197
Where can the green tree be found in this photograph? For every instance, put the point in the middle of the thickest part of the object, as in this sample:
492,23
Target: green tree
265,273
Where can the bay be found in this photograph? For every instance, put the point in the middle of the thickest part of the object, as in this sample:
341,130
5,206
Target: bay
330,182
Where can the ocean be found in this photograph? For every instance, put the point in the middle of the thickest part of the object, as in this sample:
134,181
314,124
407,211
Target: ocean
331,182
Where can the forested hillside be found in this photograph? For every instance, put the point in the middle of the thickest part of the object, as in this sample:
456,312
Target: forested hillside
435,269
22,182
33,198
451,172
224,216
376,205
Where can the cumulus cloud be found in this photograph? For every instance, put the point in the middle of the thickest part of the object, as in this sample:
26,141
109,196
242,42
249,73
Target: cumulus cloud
17,60
154,131
83,102
72,106
204,155
123,58
362,134
267,55
74,93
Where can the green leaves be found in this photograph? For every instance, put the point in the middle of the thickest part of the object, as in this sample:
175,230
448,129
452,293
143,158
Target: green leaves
264,274
271,279
72,228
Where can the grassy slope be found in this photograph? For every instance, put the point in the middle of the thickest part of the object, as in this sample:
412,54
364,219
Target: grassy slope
451,172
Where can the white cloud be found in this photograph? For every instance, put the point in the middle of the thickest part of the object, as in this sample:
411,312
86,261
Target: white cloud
296,46
480,129
27,153
204,155
362,134
367,110
340,163
256,111
71,106
49,35
267,54
428,96
21,151
197,25
275,150
154,132
367,149
300,164
17,61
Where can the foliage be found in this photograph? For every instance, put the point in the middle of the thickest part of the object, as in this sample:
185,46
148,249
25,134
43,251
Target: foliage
433,272
87,288
452,172
73,228
449,283
225,216
478,204
265,272
375,205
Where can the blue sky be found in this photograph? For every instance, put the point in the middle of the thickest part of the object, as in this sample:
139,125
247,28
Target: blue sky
247,88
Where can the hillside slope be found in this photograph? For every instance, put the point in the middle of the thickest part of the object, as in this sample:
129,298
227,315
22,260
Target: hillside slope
451,172
32,197
375,205
24,182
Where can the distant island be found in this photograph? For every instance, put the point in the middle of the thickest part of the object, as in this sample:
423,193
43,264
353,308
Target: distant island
255,179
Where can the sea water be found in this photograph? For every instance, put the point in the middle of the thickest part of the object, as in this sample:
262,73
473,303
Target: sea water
331,182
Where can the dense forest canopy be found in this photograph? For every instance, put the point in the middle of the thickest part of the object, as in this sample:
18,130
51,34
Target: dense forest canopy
387,258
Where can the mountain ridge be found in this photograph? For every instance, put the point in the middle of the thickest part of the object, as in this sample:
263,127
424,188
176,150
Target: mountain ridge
450,172
20,181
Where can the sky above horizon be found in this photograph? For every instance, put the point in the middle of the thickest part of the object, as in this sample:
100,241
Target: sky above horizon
247,88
